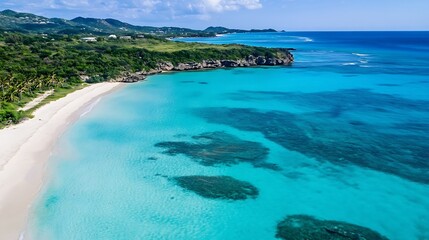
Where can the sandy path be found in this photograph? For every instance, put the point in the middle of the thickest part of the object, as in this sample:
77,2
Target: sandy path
25,149
37,100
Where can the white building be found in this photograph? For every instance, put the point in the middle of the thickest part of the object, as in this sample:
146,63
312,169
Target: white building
89,39
112,36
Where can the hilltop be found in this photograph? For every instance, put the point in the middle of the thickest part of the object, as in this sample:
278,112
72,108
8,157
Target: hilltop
31,23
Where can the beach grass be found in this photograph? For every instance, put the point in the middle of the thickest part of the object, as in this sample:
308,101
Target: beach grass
58,93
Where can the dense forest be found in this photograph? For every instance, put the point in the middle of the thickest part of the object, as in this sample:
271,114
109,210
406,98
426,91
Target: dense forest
34,63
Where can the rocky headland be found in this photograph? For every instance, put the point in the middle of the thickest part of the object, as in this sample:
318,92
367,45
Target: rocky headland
249,61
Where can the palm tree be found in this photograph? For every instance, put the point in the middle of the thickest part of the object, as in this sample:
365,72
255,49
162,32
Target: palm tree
61,81
53,81
29,85
39,82
11,95
21,88
4,83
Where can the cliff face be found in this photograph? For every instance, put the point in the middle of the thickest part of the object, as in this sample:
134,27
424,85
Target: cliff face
285,59
249,61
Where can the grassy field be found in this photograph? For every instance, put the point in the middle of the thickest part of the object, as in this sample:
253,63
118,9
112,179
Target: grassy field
156,45
172,46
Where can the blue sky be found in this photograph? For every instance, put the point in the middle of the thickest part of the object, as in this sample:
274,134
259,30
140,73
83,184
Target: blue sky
279,14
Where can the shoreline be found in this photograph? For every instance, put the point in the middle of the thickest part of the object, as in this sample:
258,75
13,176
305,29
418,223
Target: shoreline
26,149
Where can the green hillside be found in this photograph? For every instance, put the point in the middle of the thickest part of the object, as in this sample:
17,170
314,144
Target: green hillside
30,23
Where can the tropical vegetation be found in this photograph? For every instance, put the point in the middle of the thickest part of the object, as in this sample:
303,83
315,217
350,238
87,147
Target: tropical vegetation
33,63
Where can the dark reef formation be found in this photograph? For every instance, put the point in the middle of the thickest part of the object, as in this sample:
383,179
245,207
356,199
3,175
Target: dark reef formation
329,132
215,148
300,227
218,187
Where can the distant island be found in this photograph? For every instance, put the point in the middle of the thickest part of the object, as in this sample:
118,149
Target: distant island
30,23
40,55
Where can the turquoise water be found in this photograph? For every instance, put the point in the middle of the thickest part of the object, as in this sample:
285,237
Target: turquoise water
347,143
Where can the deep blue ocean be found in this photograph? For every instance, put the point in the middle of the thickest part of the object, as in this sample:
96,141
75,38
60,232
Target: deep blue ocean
342,135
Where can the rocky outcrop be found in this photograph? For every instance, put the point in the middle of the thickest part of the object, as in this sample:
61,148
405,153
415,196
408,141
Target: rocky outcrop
131,77
155,71
165,66
137,76
188,66
211,64
207,64
285,59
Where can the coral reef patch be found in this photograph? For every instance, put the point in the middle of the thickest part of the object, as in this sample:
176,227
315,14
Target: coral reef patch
333,129
218,187
299,227
219,148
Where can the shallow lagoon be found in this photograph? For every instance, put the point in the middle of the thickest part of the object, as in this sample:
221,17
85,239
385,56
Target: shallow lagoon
112,180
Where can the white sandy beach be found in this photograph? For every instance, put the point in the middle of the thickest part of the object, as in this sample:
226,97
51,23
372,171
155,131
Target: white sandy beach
25,149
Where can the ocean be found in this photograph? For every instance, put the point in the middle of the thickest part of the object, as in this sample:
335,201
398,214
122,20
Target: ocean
340,135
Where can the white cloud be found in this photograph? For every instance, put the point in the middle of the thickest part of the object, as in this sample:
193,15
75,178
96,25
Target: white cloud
167,9
145,4
209,6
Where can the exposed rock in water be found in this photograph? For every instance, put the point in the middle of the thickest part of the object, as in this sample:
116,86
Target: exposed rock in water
216,148
218,187
300,227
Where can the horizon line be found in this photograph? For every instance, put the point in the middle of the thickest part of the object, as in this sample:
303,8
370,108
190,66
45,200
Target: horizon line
235,28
